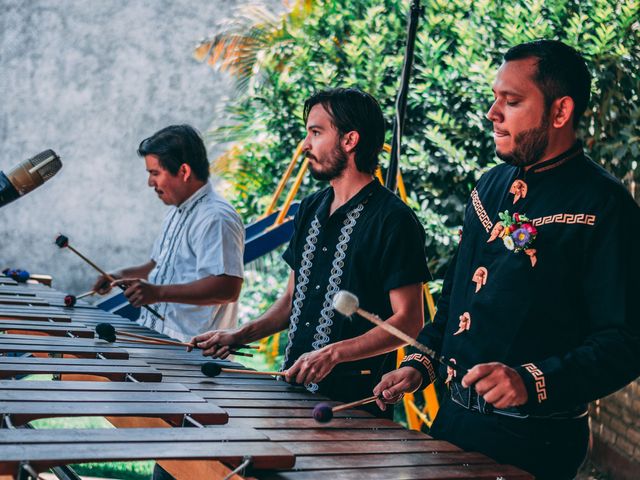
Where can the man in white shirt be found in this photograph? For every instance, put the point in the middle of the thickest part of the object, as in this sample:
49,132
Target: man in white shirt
195,272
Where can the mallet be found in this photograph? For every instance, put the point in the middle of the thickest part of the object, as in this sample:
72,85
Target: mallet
107,332
212,369
347,304
62,241
70,300
323,412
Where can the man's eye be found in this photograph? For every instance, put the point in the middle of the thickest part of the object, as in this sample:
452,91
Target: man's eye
512,103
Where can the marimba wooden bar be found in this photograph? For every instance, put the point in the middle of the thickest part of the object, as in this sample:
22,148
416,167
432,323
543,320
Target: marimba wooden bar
269,424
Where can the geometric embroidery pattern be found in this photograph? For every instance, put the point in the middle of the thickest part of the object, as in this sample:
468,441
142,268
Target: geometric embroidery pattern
569,218
480,211
418,357
538,376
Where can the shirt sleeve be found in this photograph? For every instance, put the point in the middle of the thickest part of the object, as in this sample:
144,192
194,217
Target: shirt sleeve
609,356
218,245
290,253
403,260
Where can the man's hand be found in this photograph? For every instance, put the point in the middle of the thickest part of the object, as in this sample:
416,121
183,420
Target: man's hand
312,367
216,343
138,291
498,384
102,286
395,384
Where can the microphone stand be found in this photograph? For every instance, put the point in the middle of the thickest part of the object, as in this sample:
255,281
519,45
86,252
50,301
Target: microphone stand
391,181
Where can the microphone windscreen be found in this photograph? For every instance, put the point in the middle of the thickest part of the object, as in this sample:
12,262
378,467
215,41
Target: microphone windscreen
35,171
211,369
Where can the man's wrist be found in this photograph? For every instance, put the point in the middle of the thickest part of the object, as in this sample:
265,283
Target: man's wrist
335,353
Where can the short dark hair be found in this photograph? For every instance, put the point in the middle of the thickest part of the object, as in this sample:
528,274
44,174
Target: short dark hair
175,145
562,71
352,109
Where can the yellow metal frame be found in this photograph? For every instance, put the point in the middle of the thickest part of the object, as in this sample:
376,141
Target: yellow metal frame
416,416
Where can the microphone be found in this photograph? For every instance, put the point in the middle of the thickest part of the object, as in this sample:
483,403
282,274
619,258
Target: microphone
28,176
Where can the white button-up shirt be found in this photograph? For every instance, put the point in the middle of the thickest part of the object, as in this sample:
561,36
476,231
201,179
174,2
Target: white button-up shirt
201,237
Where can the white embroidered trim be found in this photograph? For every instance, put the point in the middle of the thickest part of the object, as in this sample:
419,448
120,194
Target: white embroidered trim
301,284
323,330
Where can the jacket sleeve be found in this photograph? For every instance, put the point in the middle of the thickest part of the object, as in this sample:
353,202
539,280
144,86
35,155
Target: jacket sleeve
609,356
432,333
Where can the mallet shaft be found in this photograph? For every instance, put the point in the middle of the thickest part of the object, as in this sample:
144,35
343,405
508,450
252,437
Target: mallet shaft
110,278
403,336
85,294
357,403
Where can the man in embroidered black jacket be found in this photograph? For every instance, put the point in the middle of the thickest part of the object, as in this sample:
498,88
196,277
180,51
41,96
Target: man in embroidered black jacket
354,235
540,301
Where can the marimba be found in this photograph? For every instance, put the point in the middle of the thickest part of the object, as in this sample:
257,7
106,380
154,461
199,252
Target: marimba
194,426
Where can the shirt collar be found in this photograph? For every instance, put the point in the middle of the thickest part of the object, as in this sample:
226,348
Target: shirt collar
361,197
195,196
574,152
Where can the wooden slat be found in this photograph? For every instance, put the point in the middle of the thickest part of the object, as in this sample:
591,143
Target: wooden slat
203,412
389,446
76,351
81,386
478,472
16,300
34,316
367,460
114,445
50,328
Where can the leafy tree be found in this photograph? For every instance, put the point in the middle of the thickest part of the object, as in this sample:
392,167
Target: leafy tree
280,61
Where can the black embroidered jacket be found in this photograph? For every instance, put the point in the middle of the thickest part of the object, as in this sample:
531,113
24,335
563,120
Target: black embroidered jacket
565,312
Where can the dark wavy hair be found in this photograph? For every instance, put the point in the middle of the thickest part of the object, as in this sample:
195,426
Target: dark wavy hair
175,145
352,109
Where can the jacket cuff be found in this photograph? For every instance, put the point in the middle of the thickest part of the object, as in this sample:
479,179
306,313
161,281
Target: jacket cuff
423,364
535,383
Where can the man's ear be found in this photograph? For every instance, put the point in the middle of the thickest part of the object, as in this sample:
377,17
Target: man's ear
185,172
350,141
562,111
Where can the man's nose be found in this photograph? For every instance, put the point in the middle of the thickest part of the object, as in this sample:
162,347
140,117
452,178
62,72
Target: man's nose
494,114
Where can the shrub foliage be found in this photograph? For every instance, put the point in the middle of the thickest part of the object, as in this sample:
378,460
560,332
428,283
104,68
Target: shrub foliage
447,141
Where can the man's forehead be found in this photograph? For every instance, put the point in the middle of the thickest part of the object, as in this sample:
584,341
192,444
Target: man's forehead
319,117
516,76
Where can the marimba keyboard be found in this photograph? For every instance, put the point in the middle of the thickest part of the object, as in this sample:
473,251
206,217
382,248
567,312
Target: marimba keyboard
258,420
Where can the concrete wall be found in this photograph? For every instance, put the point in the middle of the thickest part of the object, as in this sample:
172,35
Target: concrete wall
90,79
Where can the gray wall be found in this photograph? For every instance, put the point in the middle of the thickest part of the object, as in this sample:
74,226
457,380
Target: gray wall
90,79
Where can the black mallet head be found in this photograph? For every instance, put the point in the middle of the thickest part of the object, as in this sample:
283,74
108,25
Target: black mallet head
70,300
62,241
322,413
211,369
106,332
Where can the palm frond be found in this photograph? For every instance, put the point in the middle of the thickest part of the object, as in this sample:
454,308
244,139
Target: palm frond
241,42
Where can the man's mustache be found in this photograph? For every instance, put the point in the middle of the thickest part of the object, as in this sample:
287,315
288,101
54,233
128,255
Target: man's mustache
311,156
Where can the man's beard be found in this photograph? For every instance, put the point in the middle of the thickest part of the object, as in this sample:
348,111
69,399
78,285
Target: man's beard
530,145
334,164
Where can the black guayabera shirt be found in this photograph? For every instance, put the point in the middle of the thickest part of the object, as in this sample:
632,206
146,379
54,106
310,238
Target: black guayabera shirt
372,244
568,321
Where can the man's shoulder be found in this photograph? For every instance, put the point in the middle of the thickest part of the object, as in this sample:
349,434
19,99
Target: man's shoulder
602,179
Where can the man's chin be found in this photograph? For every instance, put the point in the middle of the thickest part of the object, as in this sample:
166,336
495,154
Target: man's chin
509,158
